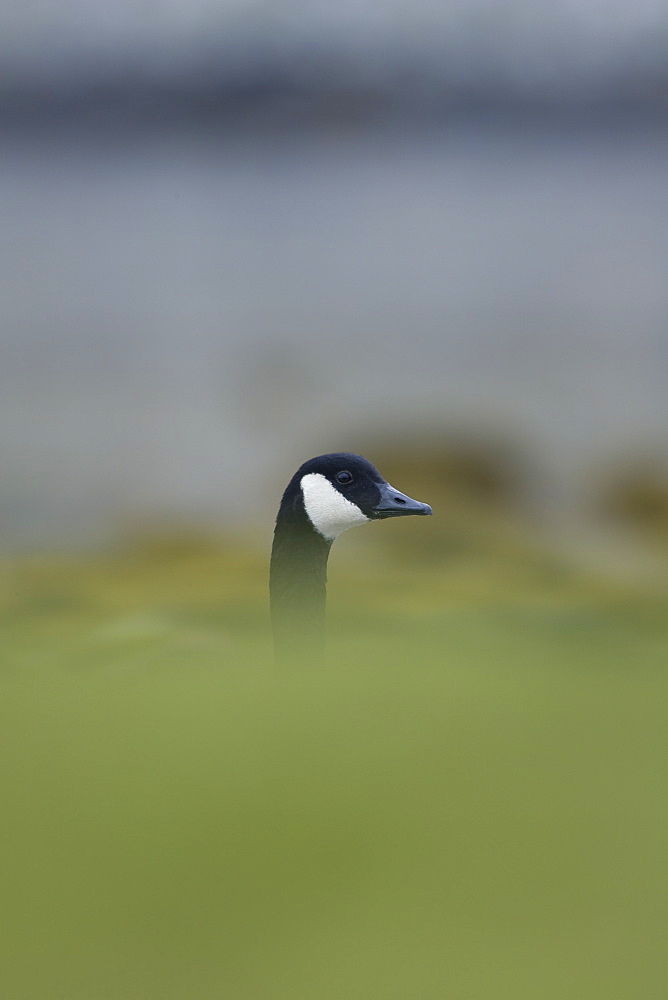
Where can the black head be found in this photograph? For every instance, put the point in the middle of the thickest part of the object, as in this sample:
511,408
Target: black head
341,490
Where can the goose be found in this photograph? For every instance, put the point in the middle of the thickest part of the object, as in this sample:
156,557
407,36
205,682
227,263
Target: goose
326,496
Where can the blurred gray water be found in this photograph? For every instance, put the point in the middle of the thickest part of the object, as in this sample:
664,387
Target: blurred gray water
189,314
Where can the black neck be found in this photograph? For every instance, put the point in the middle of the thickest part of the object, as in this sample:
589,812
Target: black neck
297,584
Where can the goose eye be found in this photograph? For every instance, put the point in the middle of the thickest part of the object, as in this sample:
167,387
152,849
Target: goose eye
344,477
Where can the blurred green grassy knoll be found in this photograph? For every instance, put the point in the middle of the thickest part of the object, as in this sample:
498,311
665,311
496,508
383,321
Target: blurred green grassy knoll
466,800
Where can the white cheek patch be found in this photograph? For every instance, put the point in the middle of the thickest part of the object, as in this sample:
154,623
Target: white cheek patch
329,511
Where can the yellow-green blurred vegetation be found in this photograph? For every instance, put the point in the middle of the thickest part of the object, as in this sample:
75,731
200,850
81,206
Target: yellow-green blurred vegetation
637,495
466,799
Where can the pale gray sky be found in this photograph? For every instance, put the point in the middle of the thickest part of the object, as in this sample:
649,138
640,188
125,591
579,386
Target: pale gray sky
554,44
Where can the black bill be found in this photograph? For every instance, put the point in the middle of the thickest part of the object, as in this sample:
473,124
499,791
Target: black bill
392,503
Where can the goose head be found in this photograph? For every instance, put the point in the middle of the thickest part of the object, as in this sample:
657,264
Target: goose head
341,490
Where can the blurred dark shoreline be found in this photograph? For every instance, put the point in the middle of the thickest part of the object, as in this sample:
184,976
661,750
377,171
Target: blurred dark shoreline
133,106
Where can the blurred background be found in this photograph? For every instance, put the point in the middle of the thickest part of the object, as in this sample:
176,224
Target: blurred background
239,234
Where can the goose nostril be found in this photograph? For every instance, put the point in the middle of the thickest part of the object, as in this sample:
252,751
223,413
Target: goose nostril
399,500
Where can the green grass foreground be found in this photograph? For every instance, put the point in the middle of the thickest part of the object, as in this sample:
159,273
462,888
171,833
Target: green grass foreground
467,800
